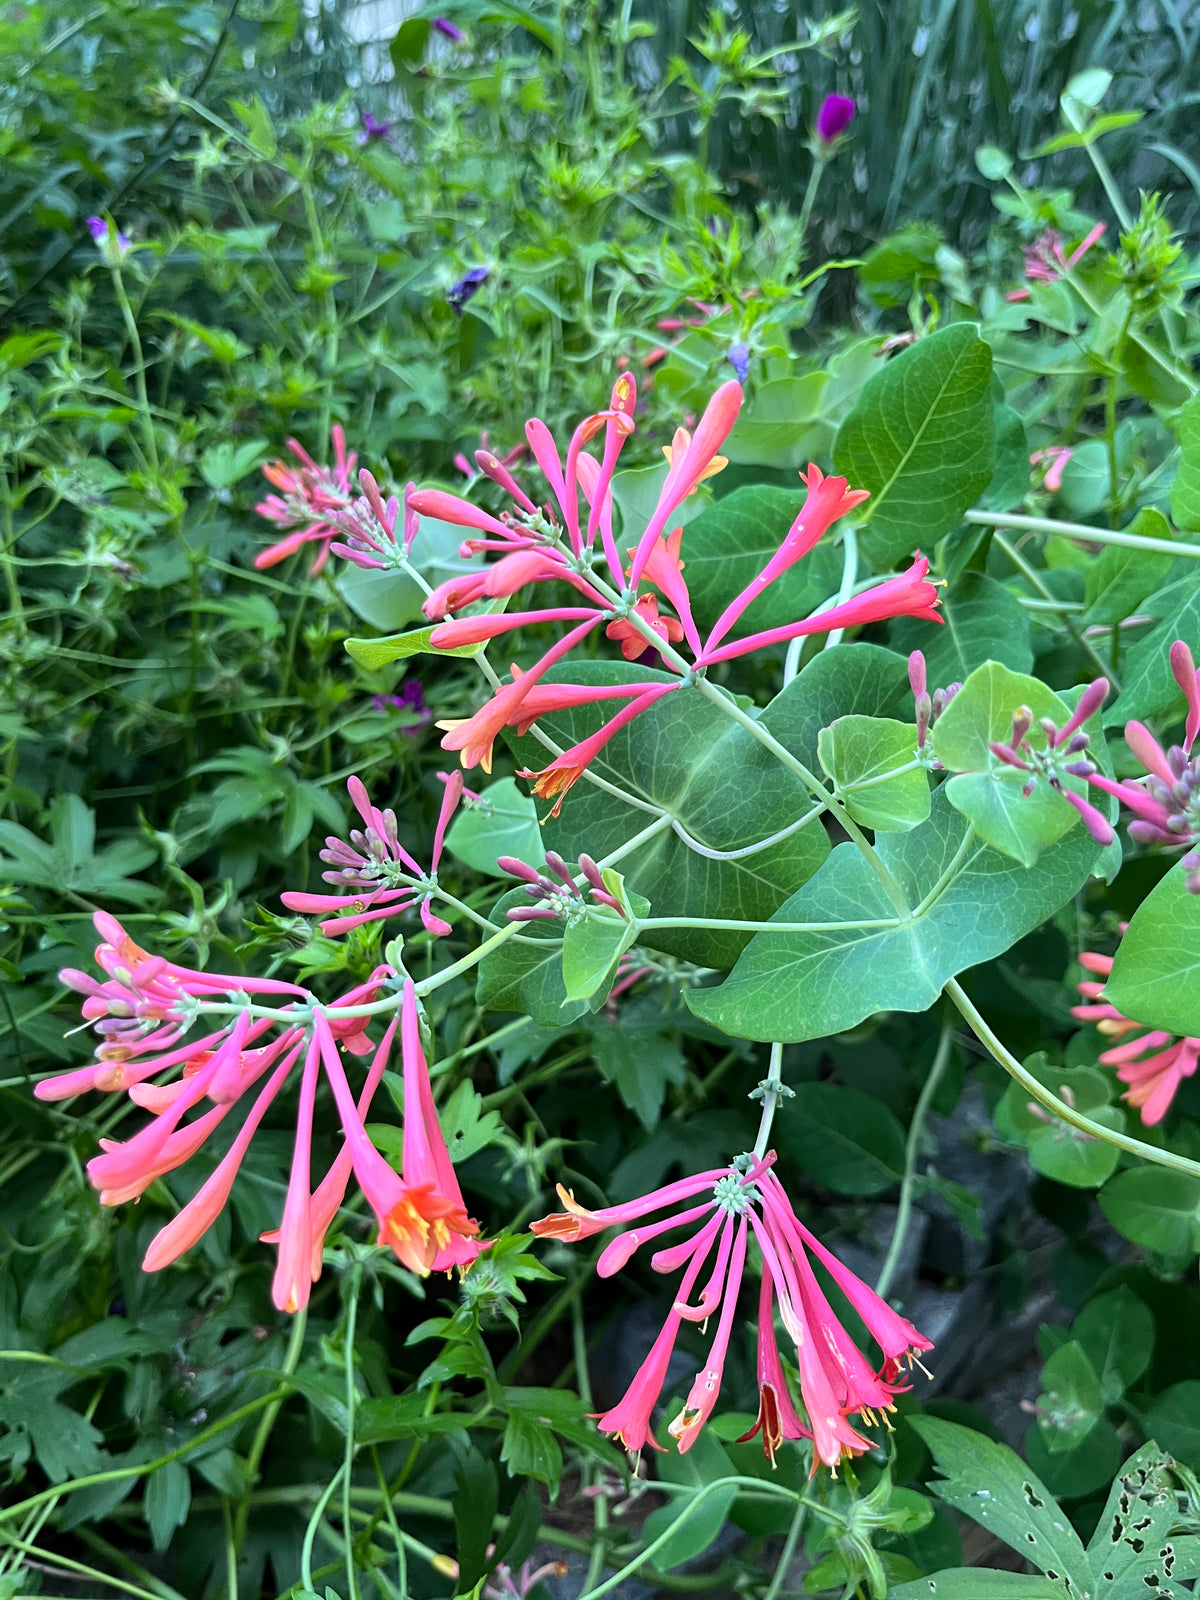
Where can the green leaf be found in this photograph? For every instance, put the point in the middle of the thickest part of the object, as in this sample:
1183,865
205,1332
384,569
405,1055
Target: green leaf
1173,1419
168,1499
983,621
685,756
467,1127
502,822
989,1483
861,755
1155,1208
256,119
921,439
530,1450
704,1463
793,986
1116,1330
376,653
226,464
728,545
526,974
1185,491
1129,1547
848,1141
776,428
592,946
1071,1402
1010,477
1077,1159
639,1063
995,164
1156,973
1149,685
849,679
1118,579
390,600
975,1583
1017,824
1085,1470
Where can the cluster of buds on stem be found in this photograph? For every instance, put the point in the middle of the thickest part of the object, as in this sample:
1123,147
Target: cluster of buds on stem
929,707
1062,757
559,899
368,528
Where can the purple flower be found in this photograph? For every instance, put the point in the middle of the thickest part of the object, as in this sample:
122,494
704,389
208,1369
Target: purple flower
738,357
450,30
372,128
469,284
411,699
98,229
834,117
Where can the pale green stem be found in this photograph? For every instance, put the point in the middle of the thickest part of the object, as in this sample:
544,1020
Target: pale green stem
1171,368
1034,577
310,1532
351,1406
912,1151
583,1384
1104,173
770,1100
139,370
736,926
747,849
1081,533
820,162
1045,1097
784,1563
849,574
291,1361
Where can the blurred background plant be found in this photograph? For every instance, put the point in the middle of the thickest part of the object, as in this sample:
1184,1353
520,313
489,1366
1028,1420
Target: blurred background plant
480,213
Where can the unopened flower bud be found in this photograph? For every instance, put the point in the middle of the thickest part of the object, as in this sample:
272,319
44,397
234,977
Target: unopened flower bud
1050,728
518,869
1022,722
560,868
591,872
1079,741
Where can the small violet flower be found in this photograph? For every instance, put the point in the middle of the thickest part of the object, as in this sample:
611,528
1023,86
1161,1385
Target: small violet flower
372,128
466,288
834,117
738,357
112,246
449,30
410,700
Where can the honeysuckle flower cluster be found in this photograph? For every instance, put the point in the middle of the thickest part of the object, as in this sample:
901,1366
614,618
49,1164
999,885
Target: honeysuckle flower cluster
1046,261
310,496
1062,756
146,1010
377,875
1152,1062
728,1206
559,899
570,539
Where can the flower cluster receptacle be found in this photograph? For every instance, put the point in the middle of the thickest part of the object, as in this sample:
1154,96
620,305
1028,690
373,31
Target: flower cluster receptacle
1046,261
728,1206
377,875
559,899
1151,1062
1062,757
367,527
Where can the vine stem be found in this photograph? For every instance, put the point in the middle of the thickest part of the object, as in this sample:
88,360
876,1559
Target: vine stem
912,1151
770,1099
1033,576
267,1422
1080,532
351,1404
139,370
583,1383
1046,1097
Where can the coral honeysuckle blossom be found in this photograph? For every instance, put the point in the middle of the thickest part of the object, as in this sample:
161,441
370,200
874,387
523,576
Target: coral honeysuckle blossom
310,497
1153,1063
557,540
145,1011
728,1206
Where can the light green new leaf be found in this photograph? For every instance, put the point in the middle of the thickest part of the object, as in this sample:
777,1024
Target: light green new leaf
776,428
922,440
593,945
851,679
1116,1330
976,1583
527,975
1071,1402
973,904
862,755
1185,491
1156,974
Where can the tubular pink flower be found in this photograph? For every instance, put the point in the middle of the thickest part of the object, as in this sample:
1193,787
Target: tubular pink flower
691,459
665,570
1183,667
454,509
826,501
293,1271
475,735
1090,701
493,468
1096,823
1148,751
564,771
475,630
702,1396
545,698
908,595
1152,1079
777,1419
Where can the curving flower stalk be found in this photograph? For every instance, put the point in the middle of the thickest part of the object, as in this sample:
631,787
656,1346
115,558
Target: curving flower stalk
727,1206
